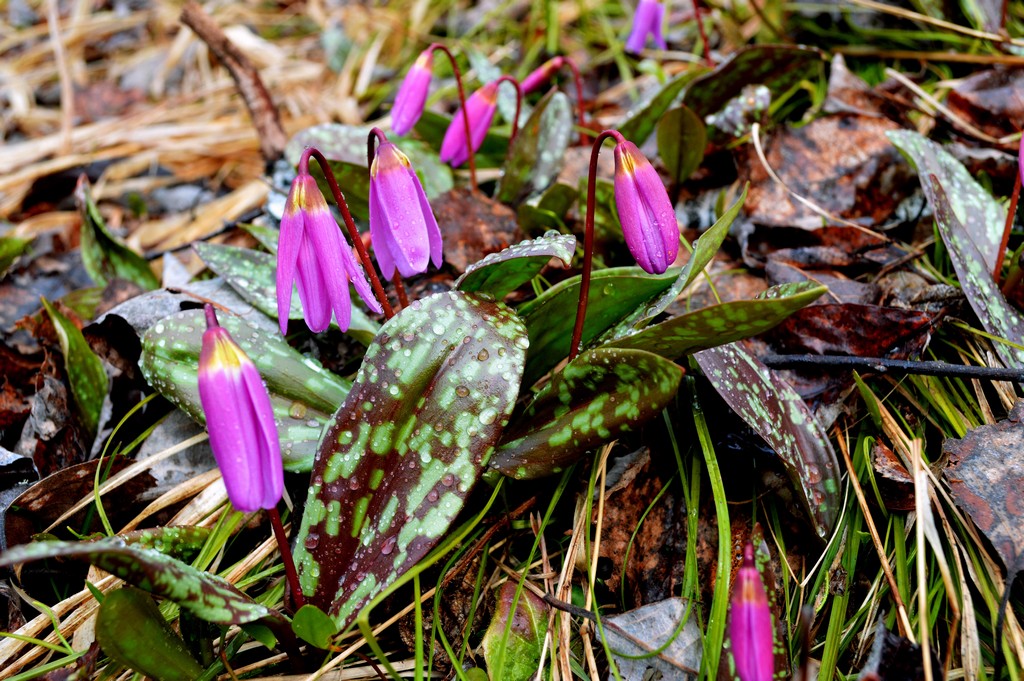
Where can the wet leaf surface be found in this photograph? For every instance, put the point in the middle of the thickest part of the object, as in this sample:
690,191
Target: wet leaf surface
500,273
434,392
599,395
302,393
473,226
773,409
535,158
986,475
849,329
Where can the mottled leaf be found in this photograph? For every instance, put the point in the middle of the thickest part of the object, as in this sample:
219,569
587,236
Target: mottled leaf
133,631
778,67
639,125
720,324
981,216
85,371
105,257
986,299
302,392
428,405
615,293
986,475
602,393
663,636
498,274
681,139
535,158
11,248
206,596
174,541
515,638
775,411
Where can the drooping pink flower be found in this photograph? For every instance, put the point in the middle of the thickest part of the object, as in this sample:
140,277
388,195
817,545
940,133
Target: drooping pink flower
647,21
645,211
312,251
481,106
240,420
403,229
412,94
750,623
541,75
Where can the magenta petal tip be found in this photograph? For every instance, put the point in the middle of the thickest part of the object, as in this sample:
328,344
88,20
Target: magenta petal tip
750,623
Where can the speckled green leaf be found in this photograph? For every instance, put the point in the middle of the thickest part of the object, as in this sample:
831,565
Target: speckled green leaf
975,275
174,541
704,249
724,323
535,158
775,411
777,67
428,405
11,248
85,371
131,629
104,256
639,125
615,293
980,215
252,274
302,392
500,273
600,394
206,596
681,139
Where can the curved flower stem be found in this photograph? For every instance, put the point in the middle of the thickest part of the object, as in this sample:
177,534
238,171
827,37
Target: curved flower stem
588,241
286,557
703,34
579,96
350,224
519,102
465,112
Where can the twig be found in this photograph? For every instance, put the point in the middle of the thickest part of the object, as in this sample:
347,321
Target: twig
265,116
949,26
882,364
67,92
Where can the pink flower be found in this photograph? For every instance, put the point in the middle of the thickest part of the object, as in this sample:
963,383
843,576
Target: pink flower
541,75
645,211
240,421
412,94
481,106
403,229
750,623
312,251
646,21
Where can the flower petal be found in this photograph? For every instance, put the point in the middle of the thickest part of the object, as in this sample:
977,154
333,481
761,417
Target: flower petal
750,624
412,94
288,245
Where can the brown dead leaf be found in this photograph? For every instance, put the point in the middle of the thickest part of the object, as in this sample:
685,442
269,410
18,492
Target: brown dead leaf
473,226
991,100
895,484
986,475
822,248
840,288
859,330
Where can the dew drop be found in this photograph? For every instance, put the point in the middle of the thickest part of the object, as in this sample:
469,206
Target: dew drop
488,415
389,545
432,496
483,355
462,391
312,539
448,480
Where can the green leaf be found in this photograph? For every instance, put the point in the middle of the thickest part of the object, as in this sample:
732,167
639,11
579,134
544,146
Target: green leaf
981,216
11,248
206,596
302,392
681,139
615,293
724,323
975,275
515,638
535,158
314,626
132,631
174,541
253,276
599,395
500,273
638,127
85,371
776,412
428,405
267,236
104,256
547,211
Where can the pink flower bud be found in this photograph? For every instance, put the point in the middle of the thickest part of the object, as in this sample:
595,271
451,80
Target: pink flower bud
412,94
541,75
645,211
750,623
646,21
481,106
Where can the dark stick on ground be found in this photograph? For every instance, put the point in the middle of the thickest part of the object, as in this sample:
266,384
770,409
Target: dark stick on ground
883,365
265,116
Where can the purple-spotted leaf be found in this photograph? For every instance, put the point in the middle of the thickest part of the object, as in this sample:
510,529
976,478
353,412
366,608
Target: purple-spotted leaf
174,540
982,217
602,393
302,392
434,392
252,274
975,275
206,596
775,411
724,323
500,273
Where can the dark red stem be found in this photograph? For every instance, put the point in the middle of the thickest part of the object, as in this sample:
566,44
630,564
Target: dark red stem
703,35
579,95
519,102
286,558
403,297
350,224
1011,213
588,241
465,112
